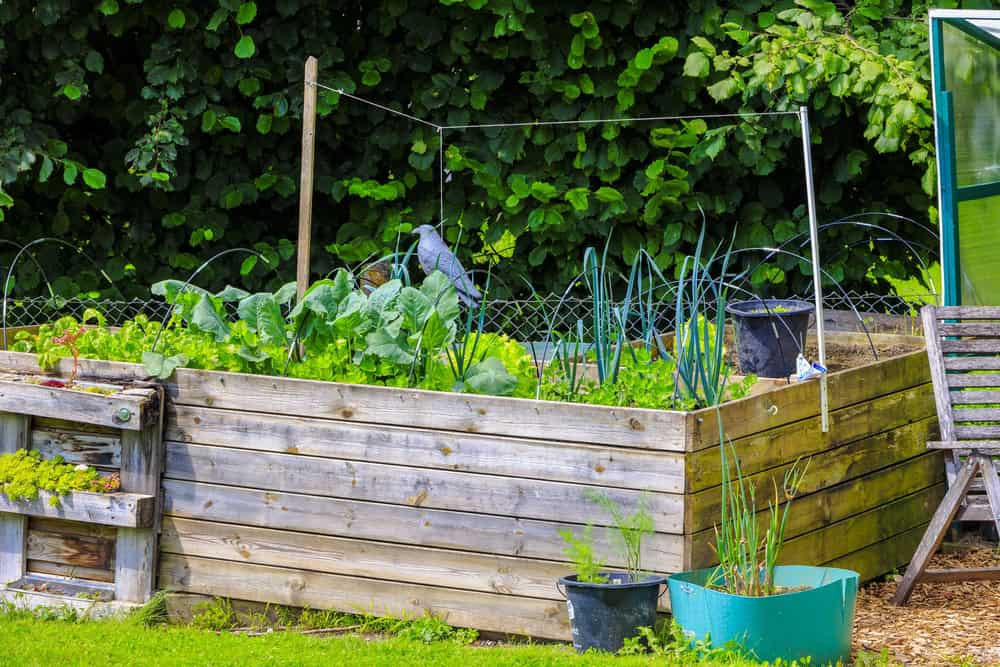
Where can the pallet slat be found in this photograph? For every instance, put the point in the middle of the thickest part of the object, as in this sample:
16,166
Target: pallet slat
109,509
78,447
32,399
89,552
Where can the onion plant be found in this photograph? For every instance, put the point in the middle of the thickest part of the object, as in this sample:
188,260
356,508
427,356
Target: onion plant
699,342
747,550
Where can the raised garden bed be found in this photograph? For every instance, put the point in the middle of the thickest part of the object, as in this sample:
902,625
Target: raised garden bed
400,501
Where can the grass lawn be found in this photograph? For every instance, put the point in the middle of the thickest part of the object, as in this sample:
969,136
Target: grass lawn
29,642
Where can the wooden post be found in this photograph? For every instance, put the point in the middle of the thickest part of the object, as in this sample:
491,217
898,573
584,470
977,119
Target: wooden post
306,178
135,557
15,431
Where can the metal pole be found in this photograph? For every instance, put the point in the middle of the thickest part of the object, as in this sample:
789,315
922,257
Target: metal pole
824,402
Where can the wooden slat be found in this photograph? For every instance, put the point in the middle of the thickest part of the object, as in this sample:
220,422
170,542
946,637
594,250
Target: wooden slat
68,549
135,554
52,424
937,366
980,432
974,397
78,447
966,312
377,560
961,363
883,557
515,457
33,399
72,571
986,329
826,469
545,420
816,510
300,588
973,380
400,485
15,431
800,401
109,509
965,445
965,574
418,526
970,345
782,445
73,528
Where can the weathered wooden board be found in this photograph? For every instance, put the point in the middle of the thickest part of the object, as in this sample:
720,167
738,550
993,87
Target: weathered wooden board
75,572
70,549
15,432
823,470
840,502
861,530
401,485
424,448
882,557
78,447
301,588
592,424
418,526
135,560
801,400
377,560
804,438
109,509
121,410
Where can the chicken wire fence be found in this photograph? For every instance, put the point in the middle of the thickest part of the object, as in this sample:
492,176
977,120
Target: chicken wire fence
524,320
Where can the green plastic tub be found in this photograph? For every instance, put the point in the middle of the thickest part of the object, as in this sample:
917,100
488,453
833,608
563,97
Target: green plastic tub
814,622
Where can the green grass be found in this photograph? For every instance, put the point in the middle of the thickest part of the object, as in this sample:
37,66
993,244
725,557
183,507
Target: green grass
29,641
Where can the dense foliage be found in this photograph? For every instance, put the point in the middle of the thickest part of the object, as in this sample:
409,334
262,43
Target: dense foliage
394,334
154,133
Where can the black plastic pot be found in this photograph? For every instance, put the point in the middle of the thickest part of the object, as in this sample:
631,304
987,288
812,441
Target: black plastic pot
602,616
769,334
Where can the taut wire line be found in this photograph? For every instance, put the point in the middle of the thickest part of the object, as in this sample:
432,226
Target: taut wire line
540,123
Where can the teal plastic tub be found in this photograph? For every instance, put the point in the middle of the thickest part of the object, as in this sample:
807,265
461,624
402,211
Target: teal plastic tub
814,622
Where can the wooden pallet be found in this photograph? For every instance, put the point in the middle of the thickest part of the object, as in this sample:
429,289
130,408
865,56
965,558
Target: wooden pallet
82,545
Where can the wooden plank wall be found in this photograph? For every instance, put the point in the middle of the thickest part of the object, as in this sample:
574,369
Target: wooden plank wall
871,484
336,512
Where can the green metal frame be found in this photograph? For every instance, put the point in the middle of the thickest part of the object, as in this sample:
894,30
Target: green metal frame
951,194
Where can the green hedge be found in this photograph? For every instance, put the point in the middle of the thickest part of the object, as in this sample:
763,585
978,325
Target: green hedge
155,133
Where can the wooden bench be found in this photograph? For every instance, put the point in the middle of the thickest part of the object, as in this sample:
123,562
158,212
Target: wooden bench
963,348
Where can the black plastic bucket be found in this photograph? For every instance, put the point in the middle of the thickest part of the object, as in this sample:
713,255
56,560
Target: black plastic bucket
602,616
760,351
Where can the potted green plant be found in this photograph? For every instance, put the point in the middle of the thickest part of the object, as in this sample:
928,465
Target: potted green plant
774,612
606,607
